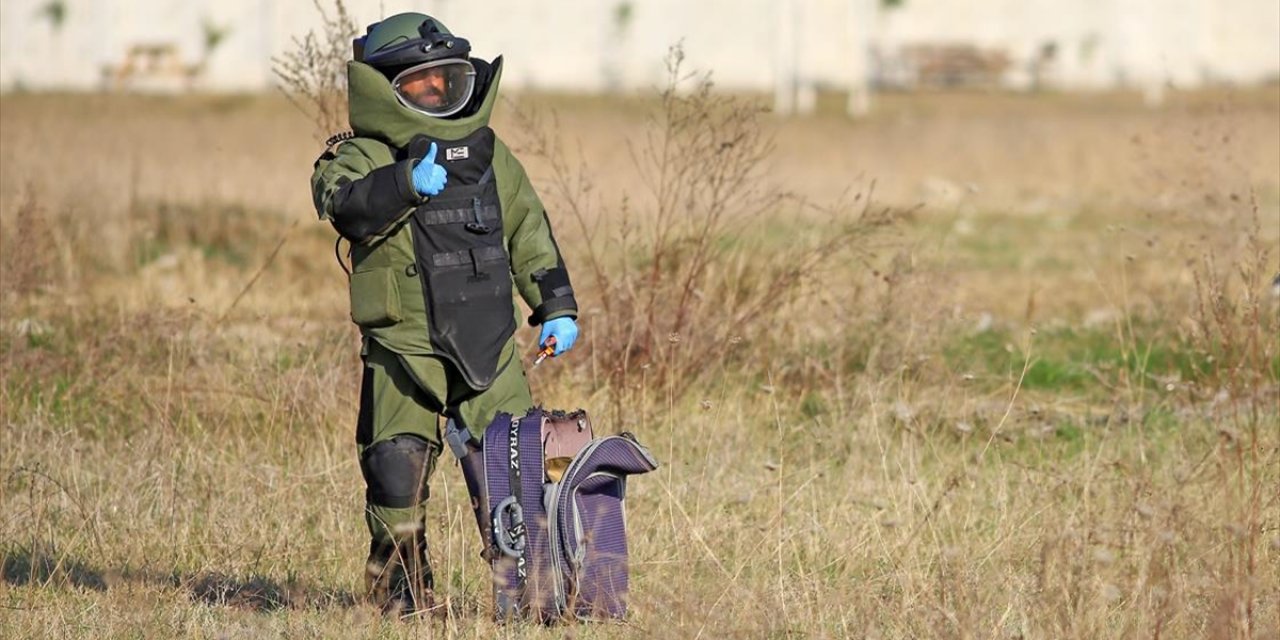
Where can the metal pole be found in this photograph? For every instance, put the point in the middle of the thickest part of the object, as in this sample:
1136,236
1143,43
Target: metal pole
784,90
861,13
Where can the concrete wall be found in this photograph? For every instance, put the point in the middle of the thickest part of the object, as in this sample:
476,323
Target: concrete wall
1102,43
596,45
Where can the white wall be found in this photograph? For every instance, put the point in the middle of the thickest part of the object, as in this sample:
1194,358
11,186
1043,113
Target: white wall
580,44
1105,42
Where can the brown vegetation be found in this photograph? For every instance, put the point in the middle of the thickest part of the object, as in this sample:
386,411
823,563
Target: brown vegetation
1043,404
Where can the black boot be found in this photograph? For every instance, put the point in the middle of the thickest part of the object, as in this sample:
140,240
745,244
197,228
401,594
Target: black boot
399,579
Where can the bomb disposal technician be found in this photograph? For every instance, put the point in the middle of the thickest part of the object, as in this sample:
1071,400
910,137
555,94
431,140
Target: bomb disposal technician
443,223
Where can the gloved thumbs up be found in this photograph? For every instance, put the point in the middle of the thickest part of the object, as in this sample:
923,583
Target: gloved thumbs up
429,178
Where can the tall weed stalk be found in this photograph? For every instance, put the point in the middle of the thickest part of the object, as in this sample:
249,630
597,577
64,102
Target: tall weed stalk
685,272
313,73
1235,330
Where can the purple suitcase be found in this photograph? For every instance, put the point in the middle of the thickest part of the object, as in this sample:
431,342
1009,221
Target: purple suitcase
556,542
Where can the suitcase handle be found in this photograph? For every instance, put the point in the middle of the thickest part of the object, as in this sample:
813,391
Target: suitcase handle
510,540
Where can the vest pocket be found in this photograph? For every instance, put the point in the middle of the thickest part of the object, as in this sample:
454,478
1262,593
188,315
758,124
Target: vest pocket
375,298
472,315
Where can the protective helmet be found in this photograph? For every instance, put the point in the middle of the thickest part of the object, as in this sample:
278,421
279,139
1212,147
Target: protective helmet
428,67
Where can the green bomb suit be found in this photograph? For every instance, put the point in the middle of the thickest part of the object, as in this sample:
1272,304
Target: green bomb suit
431,284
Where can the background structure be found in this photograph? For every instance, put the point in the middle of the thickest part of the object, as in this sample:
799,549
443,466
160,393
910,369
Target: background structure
756,45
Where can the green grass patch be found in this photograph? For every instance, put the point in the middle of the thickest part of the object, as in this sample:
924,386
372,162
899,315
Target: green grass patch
226,232
1075,359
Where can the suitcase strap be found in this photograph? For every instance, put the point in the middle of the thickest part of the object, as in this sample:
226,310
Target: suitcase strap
516,534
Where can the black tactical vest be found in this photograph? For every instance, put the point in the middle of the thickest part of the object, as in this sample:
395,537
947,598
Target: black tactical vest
461,261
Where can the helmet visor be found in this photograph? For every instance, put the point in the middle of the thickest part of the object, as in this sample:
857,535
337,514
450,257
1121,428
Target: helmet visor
439,88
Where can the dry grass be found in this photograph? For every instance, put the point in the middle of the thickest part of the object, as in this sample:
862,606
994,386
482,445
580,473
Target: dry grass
1044,406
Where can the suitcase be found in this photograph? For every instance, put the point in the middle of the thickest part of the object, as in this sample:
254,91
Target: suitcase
549,502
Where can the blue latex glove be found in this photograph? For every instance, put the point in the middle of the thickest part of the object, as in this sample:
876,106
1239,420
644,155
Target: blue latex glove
564,330
429,177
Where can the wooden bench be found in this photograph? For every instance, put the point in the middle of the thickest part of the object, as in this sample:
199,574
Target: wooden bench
151,67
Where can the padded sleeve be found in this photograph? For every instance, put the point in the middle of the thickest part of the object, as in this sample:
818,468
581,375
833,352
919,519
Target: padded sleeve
537,265
362,201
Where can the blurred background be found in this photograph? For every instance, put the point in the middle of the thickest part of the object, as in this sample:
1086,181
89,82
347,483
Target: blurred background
793,48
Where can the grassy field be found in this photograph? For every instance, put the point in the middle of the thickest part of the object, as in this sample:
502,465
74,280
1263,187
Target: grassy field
976,366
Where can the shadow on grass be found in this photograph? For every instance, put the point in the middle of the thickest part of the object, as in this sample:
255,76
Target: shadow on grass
22,567
44,567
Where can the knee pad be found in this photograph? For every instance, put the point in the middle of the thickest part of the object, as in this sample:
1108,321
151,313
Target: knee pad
395,471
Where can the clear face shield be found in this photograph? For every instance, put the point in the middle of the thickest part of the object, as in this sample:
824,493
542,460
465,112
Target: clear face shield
439,88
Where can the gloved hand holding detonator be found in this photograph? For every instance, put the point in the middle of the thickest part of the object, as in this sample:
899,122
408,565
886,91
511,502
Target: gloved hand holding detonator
563,330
